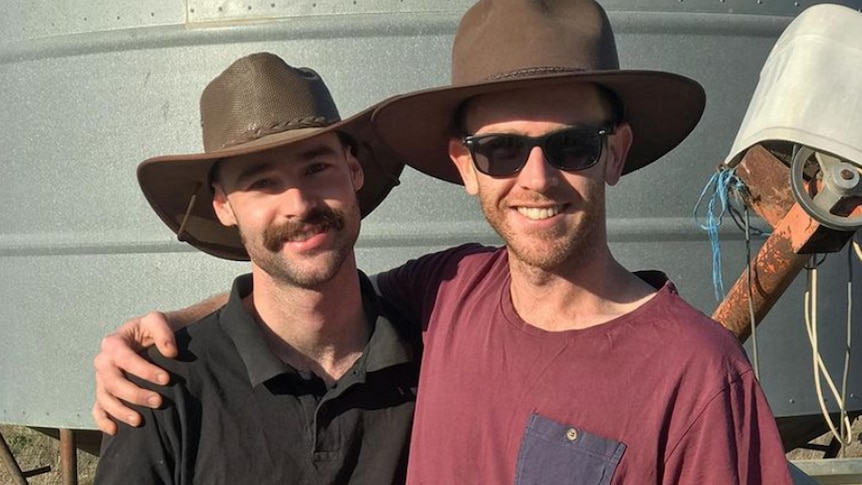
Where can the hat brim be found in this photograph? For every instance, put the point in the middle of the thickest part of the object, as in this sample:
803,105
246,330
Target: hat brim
170,182
662,109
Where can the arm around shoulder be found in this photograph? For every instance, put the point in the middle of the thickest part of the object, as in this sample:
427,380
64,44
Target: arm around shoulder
119,356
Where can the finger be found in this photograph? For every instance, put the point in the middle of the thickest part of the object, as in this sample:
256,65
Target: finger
103,422
136,365
155,326
111,382
118,387
116,356
129,334
114,408
111,386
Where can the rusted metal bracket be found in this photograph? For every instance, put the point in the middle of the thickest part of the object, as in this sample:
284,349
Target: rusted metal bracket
11,465
794,238
19,477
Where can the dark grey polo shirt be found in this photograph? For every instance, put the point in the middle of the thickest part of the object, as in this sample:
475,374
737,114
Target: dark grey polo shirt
235,414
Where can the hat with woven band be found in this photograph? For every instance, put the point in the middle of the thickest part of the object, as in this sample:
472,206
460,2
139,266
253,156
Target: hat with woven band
258,103
510,44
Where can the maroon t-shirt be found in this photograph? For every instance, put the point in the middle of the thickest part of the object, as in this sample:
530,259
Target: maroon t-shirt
661,395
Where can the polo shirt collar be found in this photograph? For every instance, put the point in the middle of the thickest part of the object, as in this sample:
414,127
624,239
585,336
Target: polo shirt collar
386,347
260,363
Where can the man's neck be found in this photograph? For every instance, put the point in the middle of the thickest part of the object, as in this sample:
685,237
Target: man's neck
323,330
583,293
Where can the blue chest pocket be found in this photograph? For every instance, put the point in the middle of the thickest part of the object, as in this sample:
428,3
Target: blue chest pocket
557,454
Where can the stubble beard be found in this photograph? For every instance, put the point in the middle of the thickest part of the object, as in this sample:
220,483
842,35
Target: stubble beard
316,269
556,251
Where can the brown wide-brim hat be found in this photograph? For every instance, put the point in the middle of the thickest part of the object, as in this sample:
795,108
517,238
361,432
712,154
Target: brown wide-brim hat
258,103
503,45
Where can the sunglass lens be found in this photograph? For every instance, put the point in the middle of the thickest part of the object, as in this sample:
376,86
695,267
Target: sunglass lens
499,155
574,149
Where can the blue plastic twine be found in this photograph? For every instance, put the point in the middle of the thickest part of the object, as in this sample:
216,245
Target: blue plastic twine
721,183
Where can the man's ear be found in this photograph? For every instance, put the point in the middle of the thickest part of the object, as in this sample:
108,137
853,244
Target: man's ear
464,162
618,149
357,175
222,207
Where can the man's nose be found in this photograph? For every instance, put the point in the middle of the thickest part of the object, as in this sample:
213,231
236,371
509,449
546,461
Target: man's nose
538,174
296,202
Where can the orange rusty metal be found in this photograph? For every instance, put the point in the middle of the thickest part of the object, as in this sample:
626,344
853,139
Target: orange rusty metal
68,457
794,237
774,268
768,182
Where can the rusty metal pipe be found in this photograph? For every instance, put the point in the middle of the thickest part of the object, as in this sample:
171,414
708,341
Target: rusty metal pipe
12,467
68,457
779,260
773,269
794,238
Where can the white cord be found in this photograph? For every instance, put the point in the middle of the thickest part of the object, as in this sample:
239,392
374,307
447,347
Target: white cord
848,345
750,283
844,436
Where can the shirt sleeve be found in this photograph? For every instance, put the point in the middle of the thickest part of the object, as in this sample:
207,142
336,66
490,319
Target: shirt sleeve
733,441
412,288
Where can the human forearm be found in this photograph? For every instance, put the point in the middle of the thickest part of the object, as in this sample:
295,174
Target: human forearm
178,319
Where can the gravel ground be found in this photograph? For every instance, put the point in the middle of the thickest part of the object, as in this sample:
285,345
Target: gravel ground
34,450
852,451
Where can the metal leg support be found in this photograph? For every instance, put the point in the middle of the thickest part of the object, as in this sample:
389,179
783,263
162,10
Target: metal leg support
11,465
68,457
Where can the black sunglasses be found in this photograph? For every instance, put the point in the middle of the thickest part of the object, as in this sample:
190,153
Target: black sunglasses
570,149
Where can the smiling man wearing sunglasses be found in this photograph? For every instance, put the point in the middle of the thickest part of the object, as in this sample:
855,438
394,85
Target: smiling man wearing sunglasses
551,361
546,361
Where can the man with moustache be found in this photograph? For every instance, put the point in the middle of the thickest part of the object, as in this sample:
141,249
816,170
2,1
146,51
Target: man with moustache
300,378
546,361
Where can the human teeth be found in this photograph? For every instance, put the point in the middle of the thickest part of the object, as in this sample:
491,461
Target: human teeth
538,213
301,236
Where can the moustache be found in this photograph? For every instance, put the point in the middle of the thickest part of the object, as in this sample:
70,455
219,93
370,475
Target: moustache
322,218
